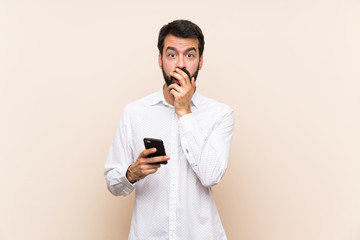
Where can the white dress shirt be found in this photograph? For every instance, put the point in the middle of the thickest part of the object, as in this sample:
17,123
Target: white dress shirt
176,202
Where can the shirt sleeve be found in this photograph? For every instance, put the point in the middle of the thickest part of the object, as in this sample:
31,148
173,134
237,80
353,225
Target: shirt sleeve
207,152
119,159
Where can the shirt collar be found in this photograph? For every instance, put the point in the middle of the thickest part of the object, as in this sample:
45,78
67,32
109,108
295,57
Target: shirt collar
158,97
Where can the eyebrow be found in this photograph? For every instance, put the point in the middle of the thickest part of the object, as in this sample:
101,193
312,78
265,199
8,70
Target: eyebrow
174,49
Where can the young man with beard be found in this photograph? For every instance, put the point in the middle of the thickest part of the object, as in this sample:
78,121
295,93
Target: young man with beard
174,201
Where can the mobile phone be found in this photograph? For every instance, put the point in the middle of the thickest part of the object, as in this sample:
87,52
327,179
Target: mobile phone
158,144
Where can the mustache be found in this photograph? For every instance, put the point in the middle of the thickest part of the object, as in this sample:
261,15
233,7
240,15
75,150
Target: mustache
169,79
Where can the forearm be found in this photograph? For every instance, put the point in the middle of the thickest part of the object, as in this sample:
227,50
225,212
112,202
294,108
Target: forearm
206,151
205,161
119,158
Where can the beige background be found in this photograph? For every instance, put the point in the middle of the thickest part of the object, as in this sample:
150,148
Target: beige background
290,70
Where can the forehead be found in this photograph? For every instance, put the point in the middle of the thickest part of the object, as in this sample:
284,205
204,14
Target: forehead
180,43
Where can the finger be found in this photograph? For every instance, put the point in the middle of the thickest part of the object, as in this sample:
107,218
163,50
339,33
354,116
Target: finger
176,87
150,171
154,165
176,94
178,77
148,165
184,75
158,159
147,152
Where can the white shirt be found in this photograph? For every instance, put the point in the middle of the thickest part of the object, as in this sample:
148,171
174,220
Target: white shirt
176,202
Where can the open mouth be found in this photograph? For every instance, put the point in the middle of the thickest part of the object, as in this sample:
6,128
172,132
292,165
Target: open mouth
174,80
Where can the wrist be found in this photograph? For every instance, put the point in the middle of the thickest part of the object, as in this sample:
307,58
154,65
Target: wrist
182,112
129,176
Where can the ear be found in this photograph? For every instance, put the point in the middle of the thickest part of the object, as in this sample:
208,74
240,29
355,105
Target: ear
201,62
159,60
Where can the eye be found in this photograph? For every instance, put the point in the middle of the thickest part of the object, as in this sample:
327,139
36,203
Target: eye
171,55
190,55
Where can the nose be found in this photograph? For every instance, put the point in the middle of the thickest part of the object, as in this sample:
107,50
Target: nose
180,62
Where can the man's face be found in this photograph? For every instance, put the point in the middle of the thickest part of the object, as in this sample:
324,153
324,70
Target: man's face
180,53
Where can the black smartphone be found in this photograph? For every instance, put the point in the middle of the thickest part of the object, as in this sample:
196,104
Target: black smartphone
158,144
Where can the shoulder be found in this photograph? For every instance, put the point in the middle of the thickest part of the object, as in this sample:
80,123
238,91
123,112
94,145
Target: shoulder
209,104
140,104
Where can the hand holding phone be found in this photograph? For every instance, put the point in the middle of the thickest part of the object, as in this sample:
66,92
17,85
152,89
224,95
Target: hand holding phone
158,144
148,161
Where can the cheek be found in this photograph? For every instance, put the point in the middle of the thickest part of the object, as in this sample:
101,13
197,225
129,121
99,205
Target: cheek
193,68
168,66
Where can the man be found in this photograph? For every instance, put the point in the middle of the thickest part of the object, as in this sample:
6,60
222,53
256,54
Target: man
174,201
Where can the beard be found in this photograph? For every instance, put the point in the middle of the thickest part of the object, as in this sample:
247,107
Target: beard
170,80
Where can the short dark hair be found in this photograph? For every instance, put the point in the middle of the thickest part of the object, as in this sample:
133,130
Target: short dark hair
182,29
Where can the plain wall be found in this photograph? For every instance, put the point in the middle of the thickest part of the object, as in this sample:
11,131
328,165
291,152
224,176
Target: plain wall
289,69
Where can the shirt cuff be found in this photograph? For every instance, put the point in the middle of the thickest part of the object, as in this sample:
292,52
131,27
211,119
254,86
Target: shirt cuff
128,186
